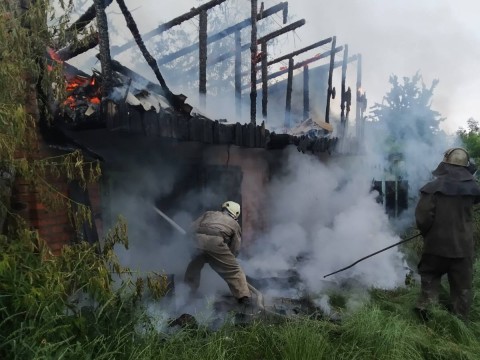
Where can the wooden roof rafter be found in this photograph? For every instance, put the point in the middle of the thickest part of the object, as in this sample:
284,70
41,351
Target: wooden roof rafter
244,47
168,25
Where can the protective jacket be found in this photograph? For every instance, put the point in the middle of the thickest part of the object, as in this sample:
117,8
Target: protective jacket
214,228
444,212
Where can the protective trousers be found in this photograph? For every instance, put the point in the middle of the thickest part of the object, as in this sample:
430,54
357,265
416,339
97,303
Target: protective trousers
460,276
224,263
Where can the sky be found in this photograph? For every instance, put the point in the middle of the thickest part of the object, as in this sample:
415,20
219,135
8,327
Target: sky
439,38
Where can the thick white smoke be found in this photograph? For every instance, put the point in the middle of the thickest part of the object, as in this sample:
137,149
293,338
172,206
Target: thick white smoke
323,217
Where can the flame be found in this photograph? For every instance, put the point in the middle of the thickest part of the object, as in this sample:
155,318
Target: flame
79,88
53,55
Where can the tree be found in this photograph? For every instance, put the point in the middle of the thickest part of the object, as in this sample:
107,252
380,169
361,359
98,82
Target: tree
471,139
406,112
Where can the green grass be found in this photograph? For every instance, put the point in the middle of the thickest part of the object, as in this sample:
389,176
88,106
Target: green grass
34,323
384,328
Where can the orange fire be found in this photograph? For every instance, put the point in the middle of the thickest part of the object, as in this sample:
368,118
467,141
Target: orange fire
90,92
54,55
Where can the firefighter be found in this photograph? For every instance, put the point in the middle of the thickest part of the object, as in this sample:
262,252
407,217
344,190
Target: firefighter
444,217
218,240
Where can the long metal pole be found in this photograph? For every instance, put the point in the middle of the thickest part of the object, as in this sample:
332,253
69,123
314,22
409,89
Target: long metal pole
375,253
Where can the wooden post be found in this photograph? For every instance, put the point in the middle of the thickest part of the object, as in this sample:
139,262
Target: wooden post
202,58
238,73
330,74
288,103
264,80
343,98
358,107
306,93
104,43
253,63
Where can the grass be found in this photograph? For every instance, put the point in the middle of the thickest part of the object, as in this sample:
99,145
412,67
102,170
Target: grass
34,323
384,328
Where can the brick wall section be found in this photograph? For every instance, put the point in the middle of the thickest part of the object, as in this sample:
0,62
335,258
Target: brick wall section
53,225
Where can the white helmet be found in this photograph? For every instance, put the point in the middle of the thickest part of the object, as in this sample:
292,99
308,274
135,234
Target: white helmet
233,208
456,156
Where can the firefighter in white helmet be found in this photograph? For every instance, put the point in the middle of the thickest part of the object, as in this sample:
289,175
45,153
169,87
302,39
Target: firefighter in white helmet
444,218
218,240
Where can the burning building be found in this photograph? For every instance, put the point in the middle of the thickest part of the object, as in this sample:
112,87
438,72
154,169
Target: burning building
157,150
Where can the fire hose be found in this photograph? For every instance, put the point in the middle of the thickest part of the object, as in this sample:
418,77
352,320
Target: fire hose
258,294
375,253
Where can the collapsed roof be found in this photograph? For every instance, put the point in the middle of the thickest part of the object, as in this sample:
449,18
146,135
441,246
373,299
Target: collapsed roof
139,106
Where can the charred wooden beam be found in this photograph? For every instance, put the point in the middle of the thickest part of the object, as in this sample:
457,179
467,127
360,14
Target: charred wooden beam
253,62
359,100
168,25
234,29
202,58
306,92
330,92
83,21
288,100
343,95
283,30
266,38
238,70
310,61
104,42
296,53
264,80
72,50
300,51
176,101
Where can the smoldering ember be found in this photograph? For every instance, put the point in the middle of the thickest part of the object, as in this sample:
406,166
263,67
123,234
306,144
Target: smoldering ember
317,187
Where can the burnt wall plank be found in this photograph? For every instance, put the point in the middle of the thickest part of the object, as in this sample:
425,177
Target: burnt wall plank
150,123
208,131
195,129
165,126
251,135
238,134
135,120
216,132
180,127
226,134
